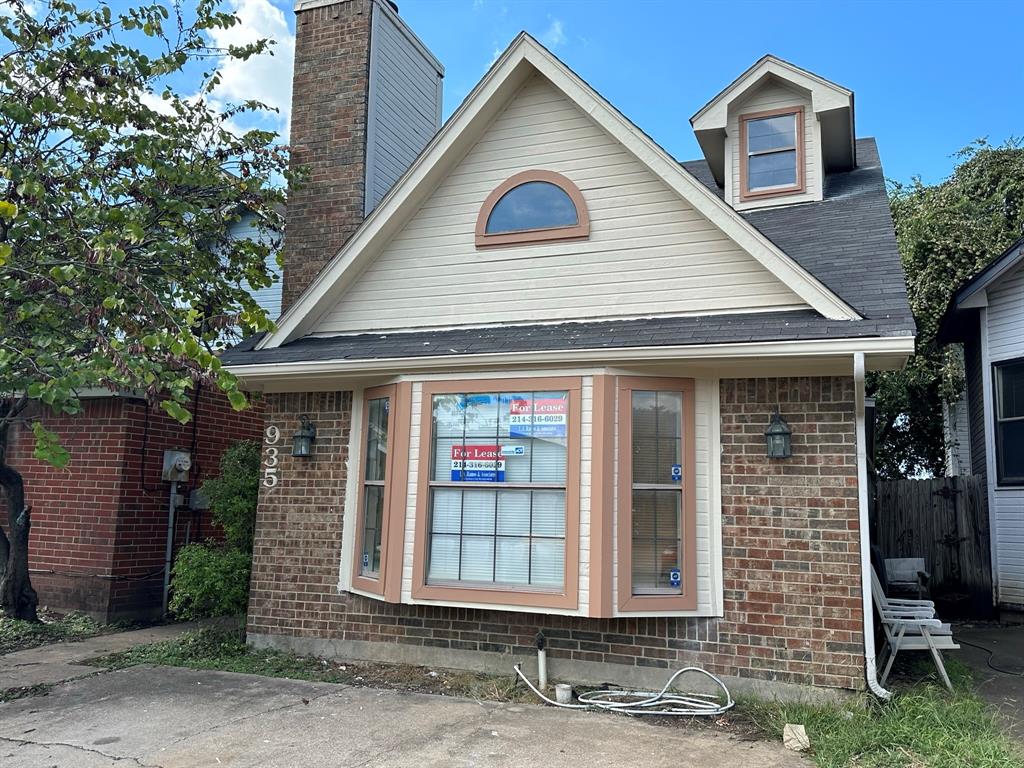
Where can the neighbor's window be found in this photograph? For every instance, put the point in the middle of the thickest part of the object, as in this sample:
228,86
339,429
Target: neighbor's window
497,490
532,206
1009,383
657,495
772,154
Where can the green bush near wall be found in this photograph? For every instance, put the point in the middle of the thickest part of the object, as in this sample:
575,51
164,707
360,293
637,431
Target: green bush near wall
212,579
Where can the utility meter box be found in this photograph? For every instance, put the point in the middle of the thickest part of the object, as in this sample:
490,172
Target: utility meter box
176,466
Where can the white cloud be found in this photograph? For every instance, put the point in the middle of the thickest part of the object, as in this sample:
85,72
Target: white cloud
31,6
554,35
266,78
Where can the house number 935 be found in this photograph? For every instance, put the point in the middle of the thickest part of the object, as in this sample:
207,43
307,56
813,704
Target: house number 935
272,436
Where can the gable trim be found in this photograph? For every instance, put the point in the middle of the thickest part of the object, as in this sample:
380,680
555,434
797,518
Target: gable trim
524,57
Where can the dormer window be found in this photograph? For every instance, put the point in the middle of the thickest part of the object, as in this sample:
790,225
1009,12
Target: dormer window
532,207
771,159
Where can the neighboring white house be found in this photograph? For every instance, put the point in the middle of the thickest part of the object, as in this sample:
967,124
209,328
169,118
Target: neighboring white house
985,430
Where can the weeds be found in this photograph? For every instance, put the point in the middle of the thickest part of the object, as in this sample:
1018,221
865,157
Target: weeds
923,725
225,651
17,635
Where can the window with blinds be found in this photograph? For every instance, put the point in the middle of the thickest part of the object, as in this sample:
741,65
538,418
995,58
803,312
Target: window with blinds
497,489
656,492
374,479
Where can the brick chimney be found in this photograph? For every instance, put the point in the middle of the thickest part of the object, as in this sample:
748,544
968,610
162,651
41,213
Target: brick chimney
366,98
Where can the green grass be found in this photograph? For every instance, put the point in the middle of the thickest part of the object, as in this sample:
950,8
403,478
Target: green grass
17,635
923,725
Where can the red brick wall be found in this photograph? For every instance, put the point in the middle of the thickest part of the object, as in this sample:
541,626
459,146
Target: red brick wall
790,537
328,137
99,525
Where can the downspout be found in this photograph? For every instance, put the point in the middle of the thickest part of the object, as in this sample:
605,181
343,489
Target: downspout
870,669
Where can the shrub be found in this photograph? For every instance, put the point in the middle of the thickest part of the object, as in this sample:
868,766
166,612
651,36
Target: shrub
210,581
213,579
233,493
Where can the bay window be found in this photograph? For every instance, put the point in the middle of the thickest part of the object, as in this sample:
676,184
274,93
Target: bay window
657,494
500,492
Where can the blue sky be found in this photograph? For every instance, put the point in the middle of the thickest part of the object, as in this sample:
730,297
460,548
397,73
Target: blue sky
929,77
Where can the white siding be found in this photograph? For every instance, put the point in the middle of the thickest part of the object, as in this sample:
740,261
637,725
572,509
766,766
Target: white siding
774,95
649,251
956,431
268,298
404,105
1005,337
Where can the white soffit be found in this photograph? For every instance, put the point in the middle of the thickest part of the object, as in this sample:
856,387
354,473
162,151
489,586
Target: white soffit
521,59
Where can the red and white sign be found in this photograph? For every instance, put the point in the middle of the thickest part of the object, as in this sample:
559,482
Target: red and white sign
479,463
538,417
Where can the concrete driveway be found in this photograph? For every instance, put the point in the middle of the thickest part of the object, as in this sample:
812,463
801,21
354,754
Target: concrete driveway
162,717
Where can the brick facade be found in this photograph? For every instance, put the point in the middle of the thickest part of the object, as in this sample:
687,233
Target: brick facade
328,137
99,525
790,547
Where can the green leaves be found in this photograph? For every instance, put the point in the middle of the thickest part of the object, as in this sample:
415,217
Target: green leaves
118,264
48,447
947,233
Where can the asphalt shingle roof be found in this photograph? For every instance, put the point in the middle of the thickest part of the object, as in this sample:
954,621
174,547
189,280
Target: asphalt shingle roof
846,241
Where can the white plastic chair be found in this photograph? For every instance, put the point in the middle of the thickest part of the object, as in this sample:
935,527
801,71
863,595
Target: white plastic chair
907,628
924,609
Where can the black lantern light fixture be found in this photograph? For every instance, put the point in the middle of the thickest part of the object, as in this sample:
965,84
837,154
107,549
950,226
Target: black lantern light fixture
302,440
779,437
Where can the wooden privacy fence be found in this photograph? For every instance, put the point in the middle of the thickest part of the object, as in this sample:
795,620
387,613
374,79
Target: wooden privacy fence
943,520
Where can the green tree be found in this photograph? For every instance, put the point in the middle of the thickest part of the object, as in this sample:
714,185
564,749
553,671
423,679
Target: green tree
947,233
116,194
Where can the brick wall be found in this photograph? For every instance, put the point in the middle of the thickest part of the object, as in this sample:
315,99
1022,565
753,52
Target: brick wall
99,525
328,137
790,535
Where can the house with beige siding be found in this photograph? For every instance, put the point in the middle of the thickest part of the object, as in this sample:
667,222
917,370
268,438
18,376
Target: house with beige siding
528,392
985,428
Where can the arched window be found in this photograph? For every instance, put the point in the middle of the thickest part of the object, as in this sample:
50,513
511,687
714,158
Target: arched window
532,207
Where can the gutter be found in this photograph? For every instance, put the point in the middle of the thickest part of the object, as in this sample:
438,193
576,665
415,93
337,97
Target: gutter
870,659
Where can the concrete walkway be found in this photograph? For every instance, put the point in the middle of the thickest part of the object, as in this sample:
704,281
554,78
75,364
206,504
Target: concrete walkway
58,662
164,717
1003,689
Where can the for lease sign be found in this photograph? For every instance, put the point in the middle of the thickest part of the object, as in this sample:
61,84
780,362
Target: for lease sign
478,463
538,417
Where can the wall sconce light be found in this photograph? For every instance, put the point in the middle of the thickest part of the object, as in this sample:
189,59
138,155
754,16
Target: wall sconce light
778,437
302,440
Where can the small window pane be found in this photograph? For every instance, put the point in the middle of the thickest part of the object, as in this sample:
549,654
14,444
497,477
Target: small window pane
777,169
514,513
447,510
512,560
1011,390
547,562
771,133
656,542
478,511
377,439
444,557
1011,451
549,513
533,205
477,558
657,442
373,513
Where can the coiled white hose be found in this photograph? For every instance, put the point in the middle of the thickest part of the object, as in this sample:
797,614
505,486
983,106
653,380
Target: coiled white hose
648,702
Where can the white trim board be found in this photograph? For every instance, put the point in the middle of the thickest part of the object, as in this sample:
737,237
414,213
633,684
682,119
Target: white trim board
524,58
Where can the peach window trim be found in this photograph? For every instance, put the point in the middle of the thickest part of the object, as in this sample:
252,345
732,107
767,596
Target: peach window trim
581,231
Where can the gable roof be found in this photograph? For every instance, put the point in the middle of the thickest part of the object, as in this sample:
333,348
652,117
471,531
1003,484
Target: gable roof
524,57
971,295
831,103
847,239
